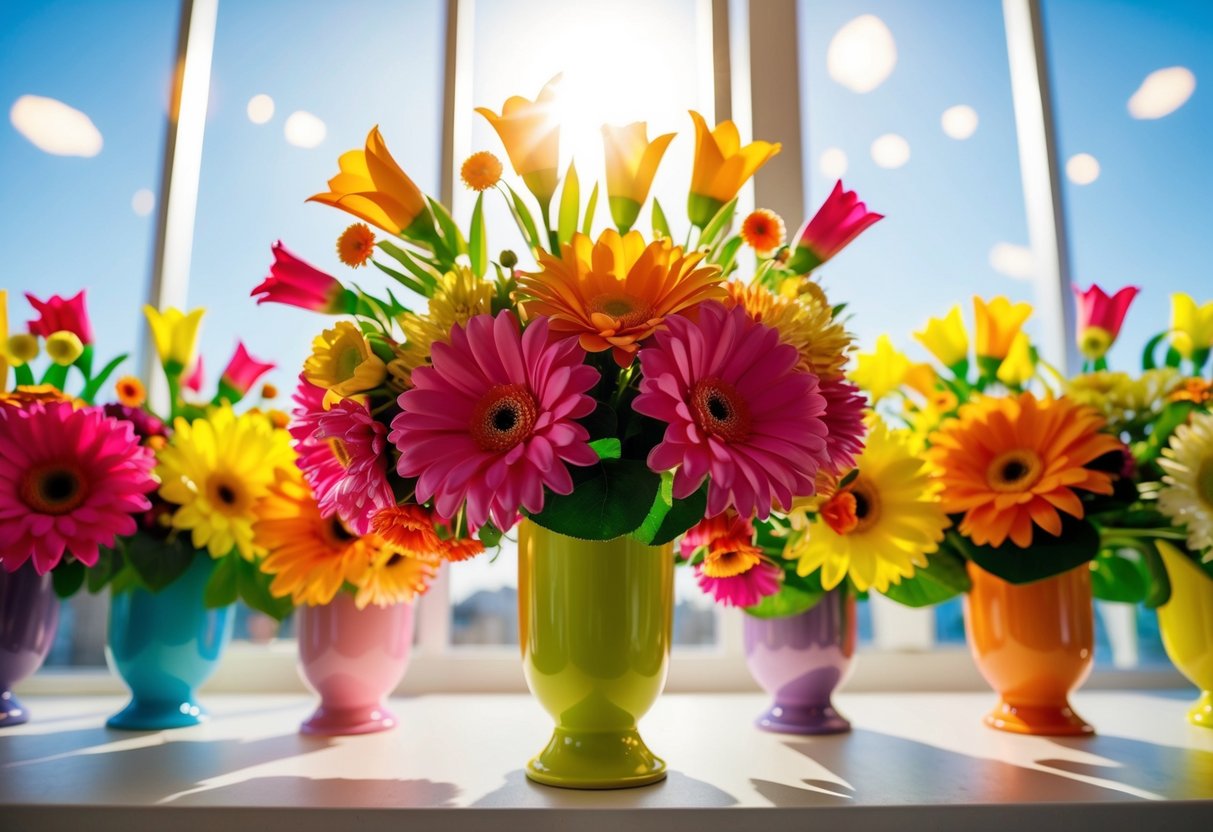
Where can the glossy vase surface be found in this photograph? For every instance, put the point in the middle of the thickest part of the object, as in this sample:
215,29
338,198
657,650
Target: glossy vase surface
800,660
353,659
1034,643
29,618
1186,626
164,645
595,621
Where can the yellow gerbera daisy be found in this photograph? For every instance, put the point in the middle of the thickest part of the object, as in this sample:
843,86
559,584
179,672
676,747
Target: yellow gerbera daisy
1187,493
805,322
311,557
216,469
395,576
461,296
616,292
1121,398
342,361
879,527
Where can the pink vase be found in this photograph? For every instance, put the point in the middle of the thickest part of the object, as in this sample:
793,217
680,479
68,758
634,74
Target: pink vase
353,659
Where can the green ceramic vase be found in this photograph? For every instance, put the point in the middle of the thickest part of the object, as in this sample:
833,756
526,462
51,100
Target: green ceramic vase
595,622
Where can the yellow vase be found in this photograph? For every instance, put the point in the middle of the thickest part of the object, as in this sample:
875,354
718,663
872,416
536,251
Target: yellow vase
594,624
1186,622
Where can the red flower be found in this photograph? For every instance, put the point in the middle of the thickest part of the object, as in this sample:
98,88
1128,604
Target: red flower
1100,318
241,374
295,283
837,222
57,314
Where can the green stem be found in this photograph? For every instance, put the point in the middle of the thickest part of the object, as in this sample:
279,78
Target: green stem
174,395
545,212
1142,534
621,386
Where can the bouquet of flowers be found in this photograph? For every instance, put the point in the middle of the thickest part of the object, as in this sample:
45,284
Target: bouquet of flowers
618,386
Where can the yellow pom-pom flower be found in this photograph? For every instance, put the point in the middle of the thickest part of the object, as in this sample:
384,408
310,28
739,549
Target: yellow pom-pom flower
481,171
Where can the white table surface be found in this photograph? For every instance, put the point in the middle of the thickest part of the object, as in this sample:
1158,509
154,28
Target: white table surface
913,761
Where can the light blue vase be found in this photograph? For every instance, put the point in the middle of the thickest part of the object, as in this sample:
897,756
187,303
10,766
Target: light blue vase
164,645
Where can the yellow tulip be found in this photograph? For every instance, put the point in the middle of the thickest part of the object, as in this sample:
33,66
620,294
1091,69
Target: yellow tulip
531,136
631,163
3,340
1018,367
64,347
175,335
372,187
922,378
946,339
22,349
998,322
721,167
881,371
1191,327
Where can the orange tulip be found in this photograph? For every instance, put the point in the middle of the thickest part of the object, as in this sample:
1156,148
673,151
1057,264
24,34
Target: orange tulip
631,163
531,136
721,167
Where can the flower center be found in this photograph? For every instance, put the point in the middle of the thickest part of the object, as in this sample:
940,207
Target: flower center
505,416
623,309
340,452
729,558
227,494
338,534
1014,471
840,512
720,410
58,488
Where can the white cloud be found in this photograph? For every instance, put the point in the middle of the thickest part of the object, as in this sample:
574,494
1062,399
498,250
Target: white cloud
1162,92
303,129
260,108
54,127
143,202
833,162
1082,168
862,54
890,151
959,122
1013,261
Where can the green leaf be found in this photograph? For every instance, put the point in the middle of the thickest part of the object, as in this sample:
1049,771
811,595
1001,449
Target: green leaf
1115,577
718,223
587,222
108,563
489,535
661,226
662,503
570,206
608,500
89,393
1174,359
789,600
253,586
425,273
403,279
1159,590
527,220
1172,416
159,562
67,577
55,375
682,515
1147,355
223,587
728,255
608,448
1077,544
450,232
944,577
478,244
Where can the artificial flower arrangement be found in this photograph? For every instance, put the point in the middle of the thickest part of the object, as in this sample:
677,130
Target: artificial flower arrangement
619,386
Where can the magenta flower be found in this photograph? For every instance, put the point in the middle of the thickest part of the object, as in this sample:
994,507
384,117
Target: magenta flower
733,570
241,374
840,219
843,416
313,456
57,314
736,408
359,444
70,482
491,423
146,425
193,382
1100,318
295,283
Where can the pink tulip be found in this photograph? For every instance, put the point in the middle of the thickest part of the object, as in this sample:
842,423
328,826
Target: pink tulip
193,381
295,283
57,314
1100,318
241,374
837,222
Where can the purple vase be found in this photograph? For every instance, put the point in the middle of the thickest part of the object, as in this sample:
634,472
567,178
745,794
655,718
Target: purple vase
29,616
800,660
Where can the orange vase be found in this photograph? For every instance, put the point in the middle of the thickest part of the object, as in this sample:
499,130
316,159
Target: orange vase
1034,643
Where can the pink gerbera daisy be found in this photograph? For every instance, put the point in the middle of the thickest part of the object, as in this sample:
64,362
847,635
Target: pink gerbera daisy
844,417
734,571
359,444
70,481
491,423
314,457
737,408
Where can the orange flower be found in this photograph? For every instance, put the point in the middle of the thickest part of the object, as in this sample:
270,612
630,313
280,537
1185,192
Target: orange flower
373,188
763,231
531,136
616,292
394,577
460,549
356,245
31,393
1011,463
481,171
721,167
130,391
409,526
1195,390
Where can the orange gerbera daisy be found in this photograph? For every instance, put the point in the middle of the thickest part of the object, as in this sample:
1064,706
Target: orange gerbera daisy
1011,463
616,292
481,171
130,391
461,548
356,245
763,230
30,393
806,322
409,527
395,576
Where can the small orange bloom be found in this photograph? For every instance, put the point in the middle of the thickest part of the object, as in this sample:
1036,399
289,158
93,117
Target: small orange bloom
269,391
1195,390
840,512
356,245
130,391
409,526
481,171
763,230
460,549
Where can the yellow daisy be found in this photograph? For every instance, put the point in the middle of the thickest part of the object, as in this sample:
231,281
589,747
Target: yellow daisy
880,526
342,361
216,469
805,322
395,576
1187,493
460,297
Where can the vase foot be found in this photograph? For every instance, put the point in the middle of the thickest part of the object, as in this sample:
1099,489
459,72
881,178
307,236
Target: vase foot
336,722
12,712
1201,714
575,760
1042,720
803,719
157,716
